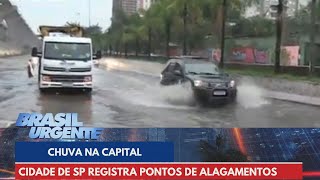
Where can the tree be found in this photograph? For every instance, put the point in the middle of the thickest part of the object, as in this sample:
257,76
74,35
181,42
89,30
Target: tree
167,16
115,32
150,24
96,34
279,37
312,36
133,35
183,22
224,9
95,29
72,24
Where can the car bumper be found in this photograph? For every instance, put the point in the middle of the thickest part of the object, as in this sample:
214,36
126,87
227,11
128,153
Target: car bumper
207,95
73,85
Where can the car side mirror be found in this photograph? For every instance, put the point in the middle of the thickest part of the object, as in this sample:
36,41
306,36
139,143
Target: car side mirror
34,52
98,55
177,73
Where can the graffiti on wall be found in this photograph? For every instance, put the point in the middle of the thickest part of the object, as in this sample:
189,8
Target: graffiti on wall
261,56
292,55
242,55
256,55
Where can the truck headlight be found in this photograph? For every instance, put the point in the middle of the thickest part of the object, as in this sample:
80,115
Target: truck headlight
232,84
198,83
87,79
46,78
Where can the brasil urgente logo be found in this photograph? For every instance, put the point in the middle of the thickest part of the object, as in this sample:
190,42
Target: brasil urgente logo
58,126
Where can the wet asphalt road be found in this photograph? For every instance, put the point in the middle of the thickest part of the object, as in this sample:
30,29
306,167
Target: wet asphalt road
127,99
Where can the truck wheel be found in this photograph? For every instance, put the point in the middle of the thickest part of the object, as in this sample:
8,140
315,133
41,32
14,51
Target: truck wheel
42,90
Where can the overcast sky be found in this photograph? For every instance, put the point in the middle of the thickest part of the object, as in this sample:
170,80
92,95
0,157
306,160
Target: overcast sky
58,12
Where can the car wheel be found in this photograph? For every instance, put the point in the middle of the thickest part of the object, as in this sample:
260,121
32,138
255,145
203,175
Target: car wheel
233,98
88,91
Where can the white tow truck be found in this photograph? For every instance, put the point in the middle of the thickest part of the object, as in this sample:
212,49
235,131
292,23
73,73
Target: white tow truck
66,59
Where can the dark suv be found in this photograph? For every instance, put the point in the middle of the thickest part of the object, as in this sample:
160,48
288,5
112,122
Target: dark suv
209,84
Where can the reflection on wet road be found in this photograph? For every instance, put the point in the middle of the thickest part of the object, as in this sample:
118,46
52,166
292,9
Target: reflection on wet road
128,99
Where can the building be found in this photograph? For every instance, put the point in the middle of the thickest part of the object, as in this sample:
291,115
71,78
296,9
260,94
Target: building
116,6
144,4
131,6
263,8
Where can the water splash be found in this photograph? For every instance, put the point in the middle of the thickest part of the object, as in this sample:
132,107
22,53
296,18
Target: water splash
250,95
173,97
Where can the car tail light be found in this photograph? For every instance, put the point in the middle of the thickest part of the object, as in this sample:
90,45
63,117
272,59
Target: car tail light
87,79
46,78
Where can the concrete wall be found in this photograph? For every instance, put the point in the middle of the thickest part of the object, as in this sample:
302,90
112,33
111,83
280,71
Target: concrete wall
294,70
20,35
268,44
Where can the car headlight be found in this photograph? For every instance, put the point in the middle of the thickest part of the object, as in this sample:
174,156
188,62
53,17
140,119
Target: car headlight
87,79
232,84
161,76
198,83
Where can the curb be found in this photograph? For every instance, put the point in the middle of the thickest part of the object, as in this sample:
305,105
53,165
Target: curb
13,55
294,98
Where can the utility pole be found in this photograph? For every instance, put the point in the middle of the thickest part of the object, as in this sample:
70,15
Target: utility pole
185,14
223,25
78,18
312,37
279,36
89,1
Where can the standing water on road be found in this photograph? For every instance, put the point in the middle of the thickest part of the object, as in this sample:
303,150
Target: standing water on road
129,99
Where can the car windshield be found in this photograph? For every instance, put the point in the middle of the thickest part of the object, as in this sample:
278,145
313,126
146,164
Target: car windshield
67,51
202,69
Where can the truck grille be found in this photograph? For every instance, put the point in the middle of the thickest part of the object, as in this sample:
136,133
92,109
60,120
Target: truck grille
57,69
80,70
62,78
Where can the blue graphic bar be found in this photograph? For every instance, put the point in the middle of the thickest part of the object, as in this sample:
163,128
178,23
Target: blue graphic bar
94,152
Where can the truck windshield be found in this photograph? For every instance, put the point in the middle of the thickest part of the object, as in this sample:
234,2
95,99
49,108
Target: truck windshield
67,51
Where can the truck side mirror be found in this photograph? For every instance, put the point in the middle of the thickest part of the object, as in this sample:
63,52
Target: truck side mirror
98,55
34,52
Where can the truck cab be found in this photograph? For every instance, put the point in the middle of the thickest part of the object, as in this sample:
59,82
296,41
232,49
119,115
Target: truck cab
66,59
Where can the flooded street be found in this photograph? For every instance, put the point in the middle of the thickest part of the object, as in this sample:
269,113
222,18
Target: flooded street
130,99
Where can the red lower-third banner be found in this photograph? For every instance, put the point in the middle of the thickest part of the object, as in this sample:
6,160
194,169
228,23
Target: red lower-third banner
159,171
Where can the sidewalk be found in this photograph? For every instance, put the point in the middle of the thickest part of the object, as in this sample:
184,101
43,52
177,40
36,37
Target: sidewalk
315,101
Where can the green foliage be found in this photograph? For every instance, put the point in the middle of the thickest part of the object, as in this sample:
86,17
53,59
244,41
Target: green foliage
163,23
153,30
